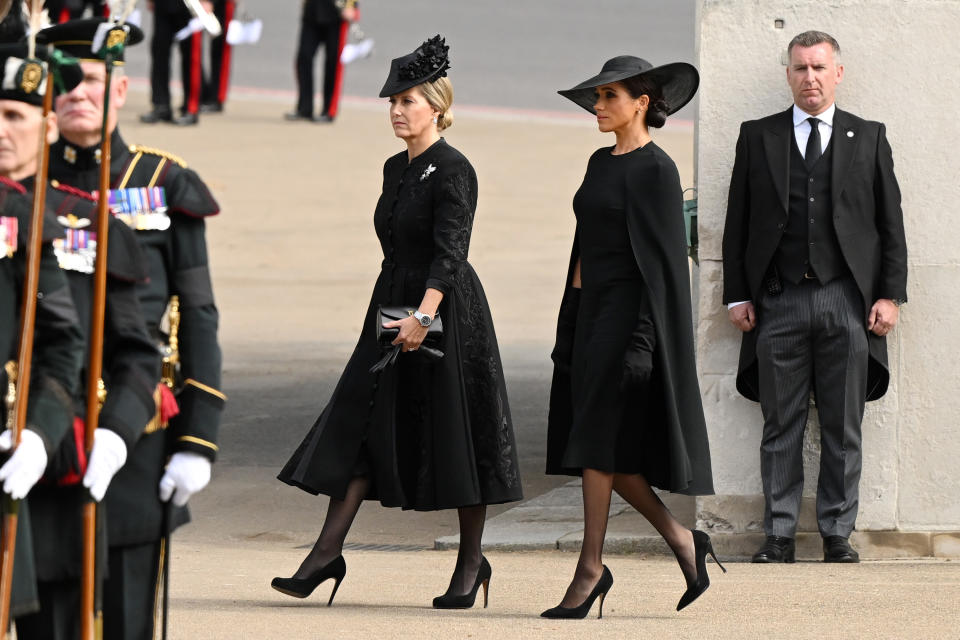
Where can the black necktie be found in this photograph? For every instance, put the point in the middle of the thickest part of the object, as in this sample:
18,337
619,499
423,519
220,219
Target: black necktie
814,150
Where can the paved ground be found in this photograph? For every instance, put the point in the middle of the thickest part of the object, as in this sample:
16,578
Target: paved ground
221,593
294,256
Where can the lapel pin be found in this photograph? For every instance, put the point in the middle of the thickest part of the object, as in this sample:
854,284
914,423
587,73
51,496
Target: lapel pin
849,134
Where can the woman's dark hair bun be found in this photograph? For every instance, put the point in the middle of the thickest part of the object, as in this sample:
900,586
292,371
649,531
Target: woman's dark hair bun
657,113
658,108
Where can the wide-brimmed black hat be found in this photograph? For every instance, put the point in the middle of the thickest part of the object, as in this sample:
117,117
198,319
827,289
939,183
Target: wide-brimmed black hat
677,80
25,79
426,64
75,38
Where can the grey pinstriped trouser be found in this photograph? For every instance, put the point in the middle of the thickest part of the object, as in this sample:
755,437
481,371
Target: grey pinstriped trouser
812,336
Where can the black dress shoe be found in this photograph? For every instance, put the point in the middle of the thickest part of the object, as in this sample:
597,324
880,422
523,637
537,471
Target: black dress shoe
325,118
211,107
776,549
296,115
838,549
187,120
157,114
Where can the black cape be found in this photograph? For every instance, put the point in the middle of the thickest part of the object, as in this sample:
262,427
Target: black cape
676,453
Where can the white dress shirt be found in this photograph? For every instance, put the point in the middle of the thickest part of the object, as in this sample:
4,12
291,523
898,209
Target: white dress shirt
801,131
801,127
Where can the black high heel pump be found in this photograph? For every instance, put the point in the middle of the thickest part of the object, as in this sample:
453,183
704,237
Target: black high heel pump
599,591
701,547
303,587
465,601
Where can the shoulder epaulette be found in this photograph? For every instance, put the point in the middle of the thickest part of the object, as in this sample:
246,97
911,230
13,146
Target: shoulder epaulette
139,148
80,193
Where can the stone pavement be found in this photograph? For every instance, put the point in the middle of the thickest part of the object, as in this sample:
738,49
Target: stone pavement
222,592
295,239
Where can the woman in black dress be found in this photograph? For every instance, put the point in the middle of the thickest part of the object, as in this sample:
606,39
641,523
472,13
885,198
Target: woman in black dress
625,410
421,433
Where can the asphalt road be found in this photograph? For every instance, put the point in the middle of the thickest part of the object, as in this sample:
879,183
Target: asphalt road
504,54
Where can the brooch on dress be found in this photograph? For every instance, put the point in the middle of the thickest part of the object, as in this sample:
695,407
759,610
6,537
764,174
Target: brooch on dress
426,172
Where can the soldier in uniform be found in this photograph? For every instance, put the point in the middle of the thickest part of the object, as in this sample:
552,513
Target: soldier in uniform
167,204
131,362
55,367
323,22
216,85
169,17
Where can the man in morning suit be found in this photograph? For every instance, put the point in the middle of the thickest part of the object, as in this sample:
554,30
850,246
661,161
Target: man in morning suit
814,272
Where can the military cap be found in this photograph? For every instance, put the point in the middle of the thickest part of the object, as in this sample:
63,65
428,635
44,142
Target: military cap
76,38
25,79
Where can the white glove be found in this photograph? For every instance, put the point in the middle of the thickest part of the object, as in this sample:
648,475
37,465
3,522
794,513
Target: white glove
25,466
108,455
187,473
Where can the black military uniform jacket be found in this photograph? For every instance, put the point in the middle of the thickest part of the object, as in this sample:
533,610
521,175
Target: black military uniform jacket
165,203
57,338
131,371
57,350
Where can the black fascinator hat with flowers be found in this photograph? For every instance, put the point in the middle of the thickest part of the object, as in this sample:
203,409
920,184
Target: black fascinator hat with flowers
429,62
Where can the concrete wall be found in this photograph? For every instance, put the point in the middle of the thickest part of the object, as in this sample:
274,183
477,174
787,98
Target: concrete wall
900,68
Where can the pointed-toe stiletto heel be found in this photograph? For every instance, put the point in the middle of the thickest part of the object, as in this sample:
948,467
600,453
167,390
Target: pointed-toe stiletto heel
465,601
580,612
303,587
701,547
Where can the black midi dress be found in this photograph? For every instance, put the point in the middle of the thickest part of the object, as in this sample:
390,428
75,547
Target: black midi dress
605,432
631,245
430,435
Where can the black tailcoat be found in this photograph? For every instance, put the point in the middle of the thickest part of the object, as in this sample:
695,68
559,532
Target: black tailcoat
867,220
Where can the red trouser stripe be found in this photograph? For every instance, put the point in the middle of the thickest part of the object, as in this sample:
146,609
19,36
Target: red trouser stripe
338,83
225,61
196,59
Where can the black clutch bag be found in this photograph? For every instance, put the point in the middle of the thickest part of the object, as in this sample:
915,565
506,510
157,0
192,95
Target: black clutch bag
429,348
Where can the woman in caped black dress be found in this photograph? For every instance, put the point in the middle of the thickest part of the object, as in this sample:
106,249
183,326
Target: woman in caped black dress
420,433
625,409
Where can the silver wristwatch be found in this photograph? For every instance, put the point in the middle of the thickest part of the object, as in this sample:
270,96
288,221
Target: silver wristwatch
422,318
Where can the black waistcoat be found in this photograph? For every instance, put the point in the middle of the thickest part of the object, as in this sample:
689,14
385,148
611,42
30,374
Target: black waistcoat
809,242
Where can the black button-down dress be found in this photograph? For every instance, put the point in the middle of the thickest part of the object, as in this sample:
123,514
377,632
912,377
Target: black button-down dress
431,435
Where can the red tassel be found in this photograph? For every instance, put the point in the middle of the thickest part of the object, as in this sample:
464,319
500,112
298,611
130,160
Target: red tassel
168,404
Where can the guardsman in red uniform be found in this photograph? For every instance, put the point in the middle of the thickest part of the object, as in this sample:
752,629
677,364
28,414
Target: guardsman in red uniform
169,17
323,22
216,85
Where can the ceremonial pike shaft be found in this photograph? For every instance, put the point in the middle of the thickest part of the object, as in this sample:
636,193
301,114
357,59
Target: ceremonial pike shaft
28,315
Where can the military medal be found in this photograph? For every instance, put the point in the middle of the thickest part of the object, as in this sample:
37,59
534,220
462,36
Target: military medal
142,209
8,236
77,249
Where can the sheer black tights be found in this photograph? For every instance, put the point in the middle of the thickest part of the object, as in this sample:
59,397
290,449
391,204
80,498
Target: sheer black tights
340,516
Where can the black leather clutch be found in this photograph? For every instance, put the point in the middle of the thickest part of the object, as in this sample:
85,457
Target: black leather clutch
385,336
